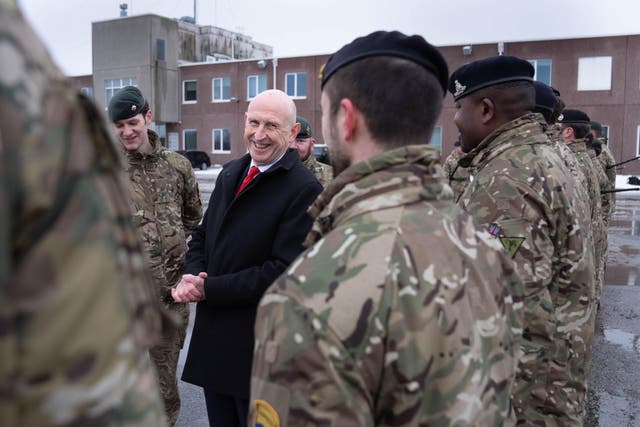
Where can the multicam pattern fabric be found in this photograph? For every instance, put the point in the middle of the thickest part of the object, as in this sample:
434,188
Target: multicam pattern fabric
400,313
458,176
590,172
166,204
77,307
607,160
523,192
322,172
601,241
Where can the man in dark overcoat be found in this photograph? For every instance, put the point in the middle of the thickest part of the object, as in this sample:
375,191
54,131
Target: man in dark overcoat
253,229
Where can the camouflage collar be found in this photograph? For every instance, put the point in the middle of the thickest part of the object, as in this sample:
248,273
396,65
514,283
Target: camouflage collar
133,157
390,179
525,130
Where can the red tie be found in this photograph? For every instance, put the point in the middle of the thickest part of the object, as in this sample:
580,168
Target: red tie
252,173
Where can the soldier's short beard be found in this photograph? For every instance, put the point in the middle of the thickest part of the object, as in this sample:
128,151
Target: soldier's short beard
339,160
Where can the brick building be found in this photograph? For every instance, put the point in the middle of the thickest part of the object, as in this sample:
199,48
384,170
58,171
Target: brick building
599,75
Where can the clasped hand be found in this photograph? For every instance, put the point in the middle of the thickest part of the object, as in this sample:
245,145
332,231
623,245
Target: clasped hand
190,288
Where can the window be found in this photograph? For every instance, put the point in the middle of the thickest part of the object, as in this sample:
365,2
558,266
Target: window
594,73
605,132
638,142
87,91
221,141
295,84
111,86
189,92
255,85
542,69
220,89
160,50
190,138
436,138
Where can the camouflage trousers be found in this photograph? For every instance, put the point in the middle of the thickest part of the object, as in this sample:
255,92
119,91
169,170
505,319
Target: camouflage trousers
551,381
165,358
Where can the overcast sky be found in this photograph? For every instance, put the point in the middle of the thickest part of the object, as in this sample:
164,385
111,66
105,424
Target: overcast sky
308,27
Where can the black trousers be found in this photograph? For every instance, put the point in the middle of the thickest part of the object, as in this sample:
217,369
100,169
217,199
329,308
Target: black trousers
225,410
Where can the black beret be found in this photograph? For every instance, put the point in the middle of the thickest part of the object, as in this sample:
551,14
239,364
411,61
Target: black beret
597,126
389,43
305,128
126,103
488,72
544,96
573,117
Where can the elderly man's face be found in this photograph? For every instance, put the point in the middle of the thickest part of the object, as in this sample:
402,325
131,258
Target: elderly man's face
269,128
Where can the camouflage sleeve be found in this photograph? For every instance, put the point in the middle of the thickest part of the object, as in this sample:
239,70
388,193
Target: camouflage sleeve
191,203
303,375
522,222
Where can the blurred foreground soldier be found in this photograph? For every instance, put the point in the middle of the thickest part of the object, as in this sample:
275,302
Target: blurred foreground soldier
522,193
77,308
166,205
400,312
576,133
606,161
304,143
458,176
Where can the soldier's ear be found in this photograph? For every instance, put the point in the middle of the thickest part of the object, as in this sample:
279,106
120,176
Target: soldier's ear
488,110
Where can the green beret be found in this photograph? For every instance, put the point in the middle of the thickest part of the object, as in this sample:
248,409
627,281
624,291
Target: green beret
389,43
305,128
126,103
488,72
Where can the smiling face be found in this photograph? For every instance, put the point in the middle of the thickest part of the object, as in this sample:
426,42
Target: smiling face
269,126
468,121
132,133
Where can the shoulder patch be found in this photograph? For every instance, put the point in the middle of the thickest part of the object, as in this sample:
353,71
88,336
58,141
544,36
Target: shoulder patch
511,244
265,415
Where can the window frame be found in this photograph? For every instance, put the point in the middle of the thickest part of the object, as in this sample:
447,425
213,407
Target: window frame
535,63
184,92
161,43
213,89
296,91
638,141
123,82
221,132
184,138
257,85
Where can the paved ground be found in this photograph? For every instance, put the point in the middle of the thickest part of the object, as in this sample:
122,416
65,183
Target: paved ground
614,395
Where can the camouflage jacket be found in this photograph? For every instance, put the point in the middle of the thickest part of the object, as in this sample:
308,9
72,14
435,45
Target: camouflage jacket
166,205
322,172
77,307
373,325
592,181
522,193
458,176
606,159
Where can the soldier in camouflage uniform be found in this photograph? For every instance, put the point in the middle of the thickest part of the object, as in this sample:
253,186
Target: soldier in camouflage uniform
575,132
401,311
77,308
607,162
522,193
458,176
166,205
304,143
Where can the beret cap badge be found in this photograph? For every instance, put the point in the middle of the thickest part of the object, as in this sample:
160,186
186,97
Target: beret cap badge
134,108
459,89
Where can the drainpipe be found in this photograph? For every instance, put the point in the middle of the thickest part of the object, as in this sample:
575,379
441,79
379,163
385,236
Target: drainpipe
275,72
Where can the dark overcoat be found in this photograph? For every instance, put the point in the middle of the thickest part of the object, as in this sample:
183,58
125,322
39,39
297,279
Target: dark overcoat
243,243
